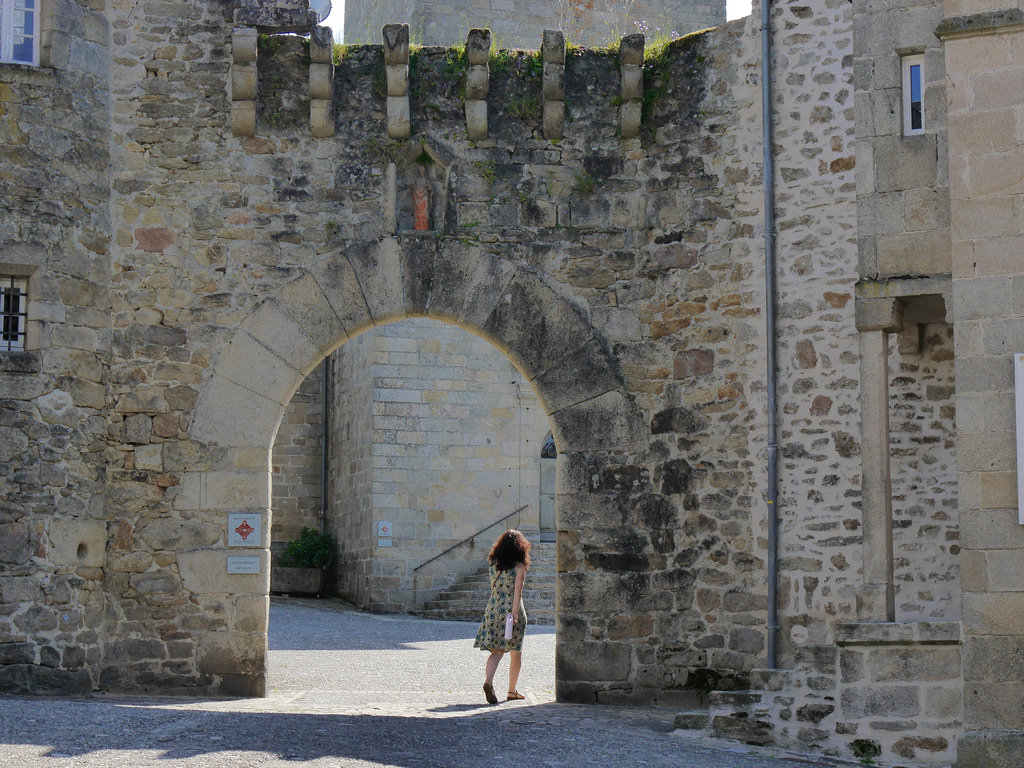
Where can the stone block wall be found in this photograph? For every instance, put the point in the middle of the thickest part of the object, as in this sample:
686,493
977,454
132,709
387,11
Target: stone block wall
295,500
59,552
520,23
455,439
901,692
983,54
350,489
902,181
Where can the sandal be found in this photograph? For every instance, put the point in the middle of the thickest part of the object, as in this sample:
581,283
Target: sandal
514,696
489,693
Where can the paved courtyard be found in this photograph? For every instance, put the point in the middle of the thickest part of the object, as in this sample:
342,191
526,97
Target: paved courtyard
359,691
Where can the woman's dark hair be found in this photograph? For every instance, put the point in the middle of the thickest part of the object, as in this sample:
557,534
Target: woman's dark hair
510,548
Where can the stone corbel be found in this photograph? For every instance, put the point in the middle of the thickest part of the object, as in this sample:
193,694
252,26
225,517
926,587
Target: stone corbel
321,82
631,73
244,81
879,314
478,76
553,57
396,66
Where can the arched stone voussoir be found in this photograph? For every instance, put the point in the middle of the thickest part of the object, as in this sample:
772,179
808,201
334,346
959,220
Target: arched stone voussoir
380,274
252,364
282,336
468,283
585,374
418,253
609,422
535,325
339,284
305,303
231,415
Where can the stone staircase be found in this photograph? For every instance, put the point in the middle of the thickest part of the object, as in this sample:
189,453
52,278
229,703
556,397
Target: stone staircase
466,599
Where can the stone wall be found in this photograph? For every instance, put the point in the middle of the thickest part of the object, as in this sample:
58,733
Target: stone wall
926,520
983,56
819,423
520,23
59,551
350,489
455,444
903,181
295,500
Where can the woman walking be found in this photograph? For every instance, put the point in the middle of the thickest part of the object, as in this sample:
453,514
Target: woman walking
509,559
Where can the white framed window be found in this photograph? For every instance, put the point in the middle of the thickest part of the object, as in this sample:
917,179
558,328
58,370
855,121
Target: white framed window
913,95
13,313
19,31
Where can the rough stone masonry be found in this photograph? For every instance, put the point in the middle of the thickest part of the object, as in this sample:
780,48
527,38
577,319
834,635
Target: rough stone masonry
207,198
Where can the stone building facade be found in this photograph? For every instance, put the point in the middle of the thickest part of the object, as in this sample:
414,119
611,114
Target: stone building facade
438,437
204,204
519,23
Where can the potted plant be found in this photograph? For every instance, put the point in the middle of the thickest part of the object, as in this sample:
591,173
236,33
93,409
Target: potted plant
300,567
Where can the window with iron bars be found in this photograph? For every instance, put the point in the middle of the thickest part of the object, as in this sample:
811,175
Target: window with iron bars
13,313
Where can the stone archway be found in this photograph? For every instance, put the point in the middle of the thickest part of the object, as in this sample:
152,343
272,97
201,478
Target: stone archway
267,356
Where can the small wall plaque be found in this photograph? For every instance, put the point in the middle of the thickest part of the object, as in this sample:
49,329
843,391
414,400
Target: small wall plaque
244,564
245,529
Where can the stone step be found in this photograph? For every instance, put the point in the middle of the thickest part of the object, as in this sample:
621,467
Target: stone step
447,614
696,720
734,698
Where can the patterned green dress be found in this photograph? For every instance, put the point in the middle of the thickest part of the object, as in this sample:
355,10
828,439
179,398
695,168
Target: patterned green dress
491,635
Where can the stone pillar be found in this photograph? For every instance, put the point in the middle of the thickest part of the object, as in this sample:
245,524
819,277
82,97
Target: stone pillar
553,57
631,73
478,75
876,318
396,66
321,82
244,81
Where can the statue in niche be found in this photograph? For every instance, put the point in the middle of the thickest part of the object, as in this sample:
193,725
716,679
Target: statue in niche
421,201
419,191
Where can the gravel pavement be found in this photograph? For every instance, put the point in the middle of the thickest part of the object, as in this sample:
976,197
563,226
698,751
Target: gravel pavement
354,690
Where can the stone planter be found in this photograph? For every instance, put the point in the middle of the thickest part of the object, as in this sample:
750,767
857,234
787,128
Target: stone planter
296,581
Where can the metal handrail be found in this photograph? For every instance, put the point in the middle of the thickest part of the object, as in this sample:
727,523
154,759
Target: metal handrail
470,538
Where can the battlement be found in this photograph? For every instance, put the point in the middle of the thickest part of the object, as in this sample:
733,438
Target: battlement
429,84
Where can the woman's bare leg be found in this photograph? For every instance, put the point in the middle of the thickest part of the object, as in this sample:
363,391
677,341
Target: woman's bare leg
515,663
492,664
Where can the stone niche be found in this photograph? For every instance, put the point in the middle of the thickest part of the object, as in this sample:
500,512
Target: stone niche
422,167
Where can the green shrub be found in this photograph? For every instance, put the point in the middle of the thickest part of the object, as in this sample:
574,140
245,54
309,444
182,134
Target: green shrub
311,550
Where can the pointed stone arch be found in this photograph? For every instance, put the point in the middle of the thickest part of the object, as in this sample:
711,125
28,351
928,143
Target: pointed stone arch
267,356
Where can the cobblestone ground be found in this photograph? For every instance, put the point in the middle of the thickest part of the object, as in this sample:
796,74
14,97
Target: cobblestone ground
353,690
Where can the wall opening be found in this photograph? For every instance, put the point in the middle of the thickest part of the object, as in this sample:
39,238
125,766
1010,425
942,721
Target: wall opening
434,437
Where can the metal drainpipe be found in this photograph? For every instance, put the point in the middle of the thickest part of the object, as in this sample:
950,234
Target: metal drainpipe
768,168
325,424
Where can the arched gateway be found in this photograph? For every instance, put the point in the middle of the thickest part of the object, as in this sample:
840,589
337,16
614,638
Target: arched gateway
238,200
256,372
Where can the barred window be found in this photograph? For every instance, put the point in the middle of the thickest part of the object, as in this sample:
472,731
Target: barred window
14,313
19,32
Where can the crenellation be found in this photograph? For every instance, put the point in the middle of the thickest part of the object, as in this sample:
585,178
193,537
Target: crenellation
478,76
